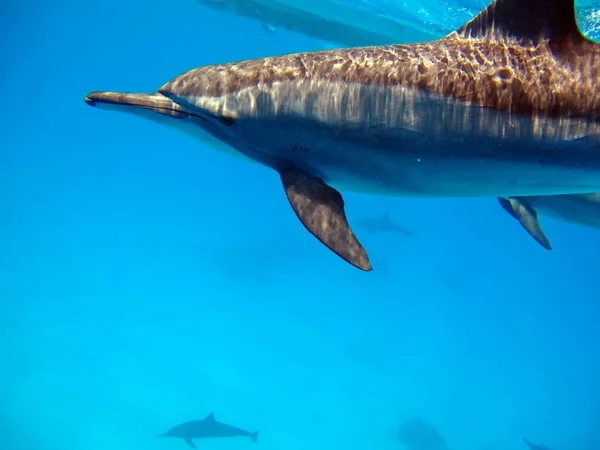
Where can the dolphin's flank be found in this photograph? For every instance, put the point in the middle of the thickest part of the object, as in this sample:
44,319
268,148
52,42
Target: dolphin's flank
506,106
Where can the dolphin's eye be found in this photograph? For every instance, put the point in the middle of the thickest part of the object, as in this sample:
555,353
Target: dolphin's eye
227,121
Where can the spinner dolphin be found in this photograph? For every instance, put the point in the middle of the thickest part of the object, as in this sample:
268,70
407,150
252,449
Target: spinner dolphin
508,105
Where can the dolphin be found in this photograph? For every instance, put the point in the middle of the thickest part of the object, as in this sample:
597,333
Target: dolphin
507,105
207,428
417,434
383,224
340,22
535,446
582,209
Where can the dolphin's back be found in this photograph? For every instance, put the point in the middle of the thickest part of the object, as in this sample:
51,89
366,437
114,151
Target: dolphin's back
517,56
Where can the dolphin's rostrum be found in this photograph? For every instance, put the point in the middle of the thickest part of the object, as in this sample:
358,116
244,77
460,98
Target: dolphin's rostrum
207,428
506,106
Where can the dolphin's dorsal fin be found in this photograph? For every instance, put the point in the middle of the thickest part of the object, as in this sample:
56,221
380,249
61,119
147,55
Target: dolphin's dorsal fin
532,19
210,417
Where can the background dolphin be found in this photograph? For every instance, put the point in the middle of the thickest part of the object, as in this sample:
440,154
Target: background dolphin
340,22
207,428
383,224
582,209
417,434
535,446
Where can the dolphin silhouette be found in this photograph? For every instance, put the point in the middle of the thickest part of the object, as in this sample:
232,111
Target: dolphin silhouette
417,434
383,224
535,446
207,428
508,105
582,209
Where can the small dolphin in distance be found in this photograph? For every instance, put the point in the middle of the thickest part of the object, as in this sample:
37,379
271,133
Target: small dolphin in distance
207,428
507,105
535,446
417,434
383,224
582,209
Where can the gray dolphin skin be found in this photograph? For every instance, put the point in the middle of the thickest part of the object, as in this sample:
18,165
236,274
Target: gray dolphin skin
582,209
383,224
207,428
535,446
508,105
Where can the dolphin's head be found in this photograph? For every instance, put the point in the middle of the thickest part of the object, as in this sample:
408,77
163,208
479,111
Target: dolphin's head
210,92
173,432
156,107
212,96
237,104
161,109
167,434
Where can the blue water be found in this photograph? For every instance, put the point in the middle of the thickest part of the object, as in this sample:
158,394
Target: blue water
146,281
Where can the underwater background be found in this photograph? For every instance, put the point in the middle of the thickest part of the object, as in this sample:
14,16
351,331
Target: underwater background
146,280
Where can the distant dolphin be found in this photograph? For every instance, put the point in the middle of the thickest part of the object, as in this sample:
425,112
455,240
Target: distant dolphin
207,428
535,446
507,105
417,434
582,209
383,224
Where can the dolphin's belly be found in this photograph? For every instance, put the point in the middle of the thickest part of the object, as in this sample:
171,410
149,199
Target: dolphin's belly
421,165
398,141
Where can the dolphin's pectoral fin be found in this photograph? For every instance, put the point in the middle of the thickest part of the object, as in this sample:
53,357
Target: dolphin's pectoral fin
521,210
320,208
189,442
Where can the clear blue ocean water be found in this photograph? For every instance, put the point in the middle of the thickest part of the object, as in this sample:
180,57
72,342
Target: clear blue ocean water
146,280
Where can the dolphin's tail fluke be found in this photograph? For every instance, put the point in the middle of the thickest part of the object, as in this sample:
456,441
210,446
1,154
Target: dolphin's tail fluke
254,436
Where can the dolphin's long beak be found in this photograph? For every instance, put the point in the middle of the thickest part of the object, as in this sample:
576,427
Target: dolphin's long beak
152,102
160,109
